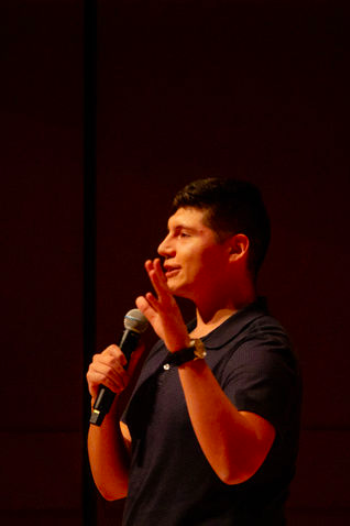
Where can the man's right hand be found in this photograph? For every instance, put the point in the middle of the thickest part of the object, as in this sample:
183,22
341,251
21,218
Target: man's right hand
110,443
107,368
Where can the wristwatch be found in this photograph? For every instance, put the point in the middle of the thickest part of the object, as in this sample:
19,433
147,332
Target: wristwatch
195,351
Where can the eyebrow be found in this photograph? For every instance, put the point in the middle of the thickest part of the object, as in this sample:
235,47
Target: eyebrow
182,226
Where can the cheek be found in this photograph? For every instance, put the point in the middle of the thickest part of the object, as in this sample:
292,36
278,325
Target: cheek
213,264
209,258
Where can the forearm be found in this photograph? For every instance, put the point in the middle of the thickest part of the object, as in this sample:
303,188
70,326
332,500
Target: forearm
109,458
234,443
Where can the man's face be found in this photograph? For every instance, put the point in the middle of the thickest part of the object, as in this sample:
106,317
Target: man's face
194,261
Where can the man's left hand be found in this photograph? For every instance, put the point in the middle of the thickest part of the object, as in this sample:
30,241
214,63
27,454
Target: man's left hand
162,311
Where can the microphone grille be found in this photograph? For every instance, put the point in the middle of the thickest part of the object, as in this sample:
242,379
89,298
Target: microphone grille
134,320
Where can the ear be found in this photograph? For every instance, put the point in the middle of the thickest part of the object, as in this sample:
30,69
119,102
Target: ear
238,247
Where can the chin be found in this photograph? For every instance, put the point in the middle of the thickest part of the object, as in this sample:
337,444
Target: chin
178,291
174,289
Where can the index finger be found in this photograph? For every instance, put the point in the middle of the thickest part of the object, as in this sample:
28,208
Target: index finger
157,277
115,352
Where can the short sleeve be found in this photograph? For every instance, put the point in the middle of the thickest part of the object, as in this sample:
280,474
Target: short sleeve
261,377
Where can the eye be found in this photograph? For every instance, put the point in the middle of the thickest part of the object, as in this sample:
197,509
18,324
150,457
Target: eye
182,233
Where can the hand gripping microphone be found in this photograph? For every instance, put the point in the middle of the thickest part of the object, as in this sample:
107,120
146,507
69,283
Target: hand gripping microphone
135,324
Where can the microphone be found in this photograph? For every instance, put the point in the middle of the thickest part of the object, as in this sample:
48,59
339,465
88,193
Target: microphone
135,324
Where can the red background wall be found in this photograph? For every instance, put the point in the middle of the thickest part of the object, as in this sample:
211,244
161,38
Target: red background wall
184,90
41,219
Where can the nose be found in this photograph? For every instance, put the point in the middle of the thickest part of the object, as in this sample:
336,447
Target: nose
166,249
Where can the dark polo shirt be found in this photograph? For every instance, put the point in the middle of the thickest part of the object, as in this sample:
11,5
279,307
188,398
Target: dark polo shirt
171,482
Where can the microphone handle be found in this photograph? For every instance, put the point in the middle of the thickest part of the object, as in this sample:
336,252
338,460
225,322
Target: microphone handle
105,396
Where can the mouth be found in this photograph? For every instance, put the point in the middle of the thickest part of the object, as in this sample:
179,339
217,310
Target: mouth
170,271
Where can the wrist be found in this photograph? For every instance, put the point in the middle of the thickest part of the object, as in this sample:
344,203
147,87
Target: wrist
194,351
193,365
177,346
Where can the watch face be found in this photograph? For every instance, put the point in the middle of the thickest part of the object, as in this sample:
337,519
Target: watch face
199,349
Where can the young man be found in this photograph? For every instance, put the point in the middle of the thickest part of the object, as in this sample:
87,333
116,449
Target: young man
210,434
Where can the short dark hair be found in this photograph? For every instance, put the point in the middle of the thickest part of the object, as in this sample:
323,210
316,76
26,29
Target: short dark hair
232,207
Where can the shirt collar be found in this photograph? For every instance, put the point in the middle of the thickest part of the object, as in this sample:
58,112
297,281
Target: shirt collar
235,324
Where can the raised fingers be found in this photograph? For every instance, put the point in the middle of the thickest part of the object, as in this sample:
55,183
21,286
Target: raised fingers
158,280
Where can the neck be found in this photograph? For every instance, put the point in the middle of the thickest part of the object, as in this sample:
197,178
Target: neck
211,315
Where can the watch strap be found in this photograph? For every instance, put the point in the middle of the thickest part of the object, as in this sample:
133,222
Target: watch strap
195,351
